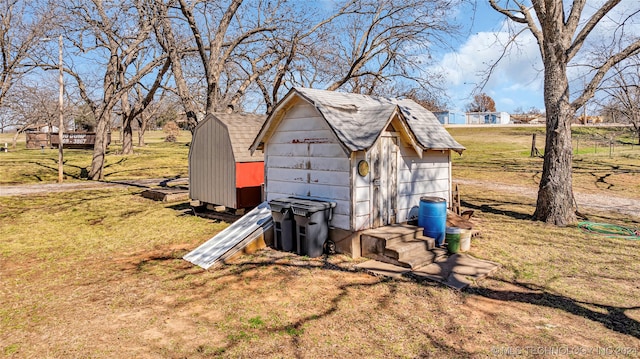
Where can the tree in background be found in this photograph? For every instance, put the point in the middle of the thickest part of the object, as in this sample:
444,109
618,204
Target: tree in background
519,115
371,47
172,131
117,36
23,25
223,37
424,98
251,46
623,95
561,33
482,103
30,105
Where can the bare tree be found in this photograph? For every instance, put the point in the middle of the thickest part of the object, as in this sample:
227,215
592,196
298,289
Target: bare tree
561,33
382,40
117,33
269,47
221,37
31,105
141,101
22,25
482,103
173,44
147,113
363,46
623,95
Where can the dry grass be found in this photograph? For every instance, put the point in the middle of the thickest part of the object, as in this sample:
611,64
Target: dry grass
507,150
158,159
99,274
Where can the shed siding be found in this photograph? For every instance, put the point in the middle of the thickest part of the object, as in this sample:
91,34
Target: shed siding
212,168
417,177
305,159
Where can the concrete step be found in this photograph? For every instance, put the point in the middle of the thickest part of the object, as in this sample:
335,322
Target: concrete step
401,245
417,259
396,232
397,250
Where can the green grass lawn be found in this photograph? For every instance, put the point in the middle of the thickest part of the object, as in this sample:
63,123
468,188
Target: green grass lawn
506,150
99,274
158,159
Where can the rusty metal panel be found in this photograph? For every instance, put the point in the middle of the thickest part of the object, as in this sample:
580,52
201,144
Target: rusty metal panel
37,140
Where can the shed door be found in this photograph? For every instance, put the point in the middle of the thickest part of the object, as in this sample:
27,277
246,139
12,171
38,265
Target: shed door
384,159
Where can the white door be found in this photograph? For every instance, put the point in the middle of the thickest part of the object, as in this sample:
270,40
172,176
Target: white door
384,185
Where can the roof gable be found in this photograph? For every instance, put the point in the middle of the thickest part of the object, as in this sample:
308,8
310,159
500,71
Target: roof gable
242,129
358,120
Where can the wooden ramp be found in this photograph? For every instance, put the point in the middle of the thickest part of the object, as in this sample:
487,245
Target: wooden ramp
233,238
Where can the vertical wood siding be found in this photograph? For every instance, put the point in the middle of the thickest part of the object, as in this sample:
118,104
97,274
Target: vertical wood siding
212,168
305,159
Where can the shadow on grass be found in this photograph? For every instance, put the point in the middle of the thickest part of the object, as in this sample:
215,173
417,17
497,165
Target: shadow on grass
84,173
32,202
611,317
284,265
493,208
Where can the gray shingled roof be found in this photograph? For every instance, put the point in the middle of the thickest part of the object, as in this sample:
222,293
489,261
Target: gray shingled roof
242,128
358,120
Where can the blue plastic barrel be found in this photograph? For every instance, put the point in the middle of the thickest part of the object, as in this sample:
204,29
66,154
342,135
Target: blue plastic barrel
432,216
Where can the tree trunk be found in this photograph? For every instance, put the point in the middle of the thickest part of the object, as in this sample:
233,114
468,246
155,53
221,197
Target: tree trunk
127,138
14,140
555,202
100,148
142,127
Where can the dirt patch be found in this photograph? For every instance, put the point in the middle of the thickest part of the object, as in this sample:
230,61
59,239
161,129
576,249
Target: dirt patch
622,205
31,189
274,304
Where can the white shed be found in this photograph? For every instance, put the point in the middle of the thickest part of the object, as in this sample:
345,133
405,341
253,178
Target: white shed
375,157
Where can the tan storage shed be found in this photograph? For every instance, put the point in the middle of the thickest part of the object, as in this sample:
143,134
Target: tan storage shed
222,171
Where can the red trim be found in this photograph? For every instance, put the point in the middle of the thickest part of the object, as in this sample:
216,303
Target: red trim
249,174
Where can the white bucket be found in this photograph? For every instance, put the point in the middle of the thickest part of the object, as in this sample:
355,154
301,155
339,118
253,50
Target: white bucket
465,240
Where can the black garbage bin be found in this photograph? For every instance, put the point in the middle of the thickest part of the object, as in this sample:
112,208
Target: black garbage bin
312,225
283,224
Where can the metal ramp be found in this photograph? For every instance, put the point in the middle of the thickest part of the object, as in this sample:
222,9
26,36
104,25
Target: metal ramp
233,238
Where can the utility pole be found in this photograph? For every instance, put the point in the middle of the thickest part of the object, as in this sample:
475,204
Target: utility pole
61,113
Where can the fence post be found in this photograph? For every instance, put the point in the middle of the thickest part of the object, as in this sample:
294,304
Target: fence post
610,149
533,145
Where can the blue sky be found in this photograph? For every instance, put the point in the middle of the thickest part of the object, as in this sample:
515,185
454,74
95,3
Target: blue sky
517,80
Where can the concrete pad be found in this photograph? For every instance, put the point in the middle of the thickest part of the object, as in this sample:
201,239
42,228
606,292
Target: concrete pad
469,266
385,269
457,281
457,271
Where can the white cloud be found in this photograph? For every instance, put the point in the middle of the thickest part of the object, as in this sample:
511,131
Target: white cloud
517,70
517,79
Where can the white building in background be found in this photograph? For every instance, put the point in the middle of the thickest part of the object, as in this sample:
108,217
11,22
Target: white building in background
488,118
